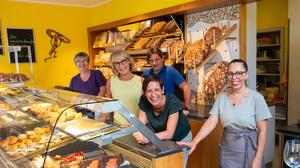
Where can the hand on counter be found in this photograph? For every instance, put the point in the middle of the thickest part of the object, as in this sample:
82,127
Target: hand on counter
189,144
141,139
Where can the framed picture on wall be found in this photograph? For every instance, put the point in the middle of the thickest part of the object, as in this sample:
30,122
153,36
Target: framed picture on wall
1,44
23,38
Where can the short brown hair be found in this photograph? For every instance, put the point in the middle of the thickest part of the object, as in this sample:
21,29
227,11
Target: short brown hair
154,50
82,55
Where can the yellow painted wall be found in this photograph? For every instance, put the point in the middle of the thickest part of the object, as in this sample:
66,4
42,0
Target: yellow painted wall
70,21
274,13
120,9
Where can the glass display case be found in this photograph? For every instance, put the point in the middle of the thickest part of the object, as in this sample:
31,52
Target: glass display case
73,129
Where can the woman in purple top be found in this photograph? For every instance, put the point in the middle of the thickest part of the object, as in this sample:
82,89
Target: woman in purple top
88,81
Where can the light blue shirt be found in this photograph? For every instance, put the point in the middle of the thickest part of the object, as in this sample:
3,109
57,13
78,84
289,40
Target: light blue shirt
243,116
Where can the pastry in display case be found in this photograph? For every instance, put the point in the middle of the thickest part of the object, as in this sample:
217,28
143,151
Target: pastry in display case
49,128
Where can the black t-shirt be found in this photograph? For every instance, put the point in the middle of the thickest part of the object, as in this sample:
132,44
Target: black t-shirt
159,123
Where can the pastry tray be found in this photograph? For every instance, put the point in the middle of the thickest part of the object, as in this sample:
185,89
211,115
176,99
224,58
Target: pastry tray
82,126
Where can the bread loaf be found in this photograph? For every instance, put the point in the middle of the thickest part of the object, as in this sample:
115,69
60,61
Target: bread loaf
213,35
141,43
157,27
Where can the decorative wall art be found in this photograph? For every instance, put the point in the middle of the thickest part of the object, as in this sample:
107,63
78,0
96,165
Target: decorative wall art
56,40
213,40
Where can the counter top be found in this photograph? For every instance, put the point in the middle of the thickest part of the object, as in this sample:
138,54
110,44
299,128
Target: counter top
147,150
290,129
199,112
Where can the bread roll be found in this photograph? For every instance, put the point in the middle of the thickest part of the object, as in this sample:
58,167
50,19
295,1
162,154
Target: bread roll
12,140
4,143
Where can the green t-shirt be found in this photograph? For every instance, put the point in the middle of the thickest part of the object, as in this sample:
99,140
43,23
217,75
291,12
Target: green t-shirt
159,123
244,115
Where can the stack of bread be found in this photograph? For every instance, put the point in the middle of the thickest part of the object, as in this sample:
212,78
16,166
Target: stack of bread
12,77
215,80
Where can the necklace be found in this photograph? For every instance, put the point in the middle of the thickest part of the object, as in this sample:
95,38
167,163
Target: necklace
237,98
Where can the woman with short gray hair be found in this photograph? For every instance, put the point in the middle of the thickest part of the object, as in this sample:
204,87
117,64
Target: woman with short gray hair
88,81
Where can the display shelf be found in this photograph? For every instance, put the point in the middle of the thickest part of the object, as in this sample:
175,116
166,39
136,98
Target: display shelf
267,60
268,45
36,102
267,74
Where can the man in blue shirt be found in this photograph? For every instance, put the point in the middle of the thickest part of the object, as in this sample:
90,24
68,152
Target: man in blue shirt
170,76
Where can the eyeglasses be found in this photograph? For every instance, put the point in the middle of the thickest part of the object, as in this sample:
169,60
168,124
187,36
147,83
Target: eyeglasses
237,74
81,61
123,62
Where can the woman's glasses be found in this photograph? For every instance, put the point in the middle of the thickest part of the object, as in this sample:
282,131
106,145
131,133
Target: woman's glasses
123,62
237,74
84,61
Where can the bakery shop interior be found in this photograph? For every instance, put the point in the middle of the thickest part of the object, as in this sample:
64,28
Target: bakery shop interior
162,84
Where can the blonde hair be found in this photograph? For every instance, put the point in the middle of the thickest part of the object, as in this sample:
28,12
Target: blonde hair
121,53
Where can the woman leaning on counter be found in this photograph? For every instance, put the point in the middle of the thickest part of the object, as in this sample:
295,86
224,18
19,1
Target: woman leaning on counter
87,81
124,85
163,112
243,113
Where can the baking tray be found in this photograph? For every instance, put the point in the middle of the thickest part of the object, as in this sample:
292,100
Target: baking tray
82,126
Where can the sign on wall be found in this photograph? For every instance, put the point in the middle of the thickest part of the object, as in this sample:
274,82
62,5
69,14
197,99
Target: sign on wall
21,37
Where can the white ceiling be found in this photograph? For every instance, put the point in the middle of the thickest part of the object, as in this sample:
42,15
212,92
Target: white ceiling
81,3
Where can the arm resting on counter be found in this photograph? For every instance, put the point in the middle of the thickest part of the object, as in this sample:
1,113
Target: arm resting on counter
171,127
